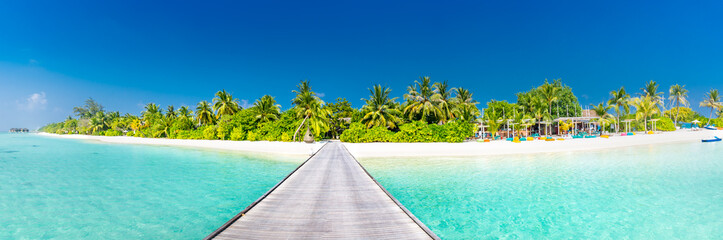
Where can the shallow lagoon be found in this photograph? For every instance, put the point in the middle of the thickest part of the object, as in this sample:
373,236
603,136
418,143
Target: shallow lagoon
72,189
670,191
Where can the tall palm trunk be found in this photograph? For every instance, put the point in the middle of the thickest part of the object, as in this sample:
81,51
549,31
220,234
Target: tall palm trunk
297,129
710,116
677,112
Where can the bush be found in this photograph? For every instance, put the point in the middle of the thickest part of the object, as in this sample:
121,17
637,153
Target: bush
410,132
224,127
252,136
209,132
112,132
238,134
664,124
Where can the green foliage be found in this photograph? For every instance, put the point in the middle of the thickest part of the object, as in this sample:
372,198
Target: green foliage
664,124
417,131
112,132
359,133
252,136
718,122
685,115
238,134
224,127
209,133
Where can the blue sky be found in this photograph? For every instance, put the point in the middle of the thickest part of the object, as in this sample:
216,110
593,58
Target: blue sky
55,54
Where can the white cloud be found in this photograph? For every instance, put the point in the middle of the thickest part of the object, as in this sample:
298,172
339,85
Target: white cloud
321,94
34,101
245,104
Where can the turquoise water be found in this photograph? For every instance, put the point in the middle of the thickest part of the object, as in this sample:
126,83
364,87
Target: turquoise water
650,192
71,189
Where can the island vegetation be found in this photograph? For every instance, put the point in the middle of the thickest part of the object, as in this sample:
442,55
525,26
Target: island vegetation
429,112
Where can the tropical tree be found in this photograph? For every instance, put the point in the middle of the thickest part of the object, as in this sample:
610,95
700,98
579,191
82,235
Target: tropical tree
98,122
679,95
204,114
602,111
162,127
645,107
443,99
550,93
379,109
88,110
651,90
225,104
265,109
494,120
184,112
420,102
171,112
619,100
466,107
712,100
151,111
310,107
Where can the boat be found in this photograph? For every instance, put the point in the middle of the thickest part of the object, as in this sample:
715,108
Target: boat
710,127
714,139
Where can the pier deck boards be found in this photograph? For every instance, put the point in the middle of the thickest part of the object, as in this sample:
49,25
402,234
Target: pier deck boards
329,196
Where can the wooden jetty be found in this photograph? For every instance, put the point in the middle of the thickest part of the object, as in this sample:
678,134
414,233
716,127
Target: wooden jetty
329,196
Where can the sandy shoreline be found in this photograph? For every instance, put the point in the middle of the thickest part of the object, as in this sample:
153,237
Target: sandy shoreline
264,147
380,150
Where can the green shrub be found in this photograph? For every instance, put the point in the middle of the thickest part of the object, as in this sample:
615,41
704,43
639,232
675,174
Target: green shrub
112,132
410,132
238,134
252,136
459,131
285,137
209,132
718,122
664,124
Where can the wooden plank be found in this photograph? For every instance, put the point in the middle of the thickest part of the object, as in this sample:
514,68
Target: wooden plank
330,195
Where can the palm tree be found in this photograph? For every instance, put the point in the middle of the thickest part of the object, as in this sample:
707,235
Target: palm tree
421,105
466,107
225,104
494,121
645,106
151,109
550,93
619,100
204,114
651,90
171,112
185,112
678,94
310,107
602,111
98,122
712,100
266,109
379,109
443,99
163,127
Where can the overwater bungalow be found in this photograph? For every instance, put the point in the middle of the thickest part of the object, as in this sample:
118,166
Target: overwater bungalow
19,130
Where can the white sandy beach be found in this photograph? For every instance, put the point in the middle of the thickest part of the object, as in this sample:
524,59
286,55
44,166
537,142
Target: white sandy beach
282,148
376,150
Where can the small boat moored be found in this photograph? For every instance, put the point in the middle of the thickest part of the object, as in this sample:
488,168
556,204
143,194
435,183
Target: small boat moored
714,139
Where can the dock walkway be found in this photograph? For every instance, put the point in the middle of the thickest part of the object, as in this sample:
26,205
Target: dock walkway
329,196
